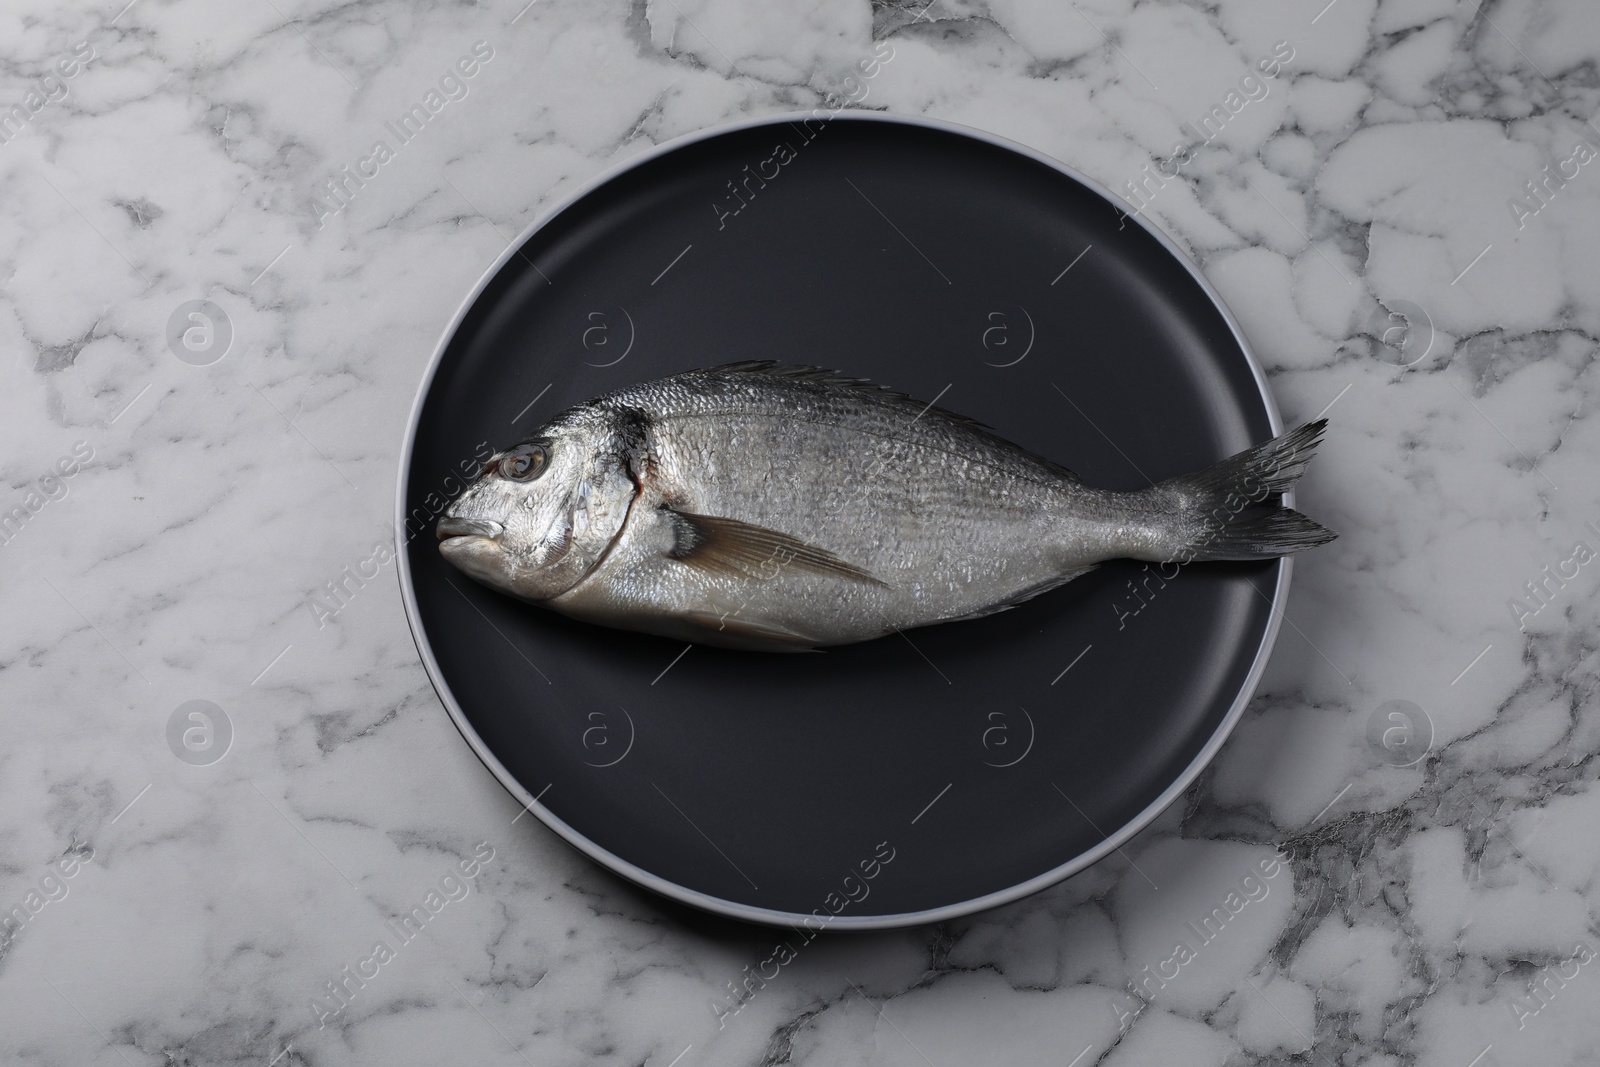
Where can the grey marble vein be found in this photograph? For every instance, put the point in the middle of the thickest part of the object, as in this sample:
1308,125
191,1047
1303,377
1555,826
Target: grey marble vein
1405,215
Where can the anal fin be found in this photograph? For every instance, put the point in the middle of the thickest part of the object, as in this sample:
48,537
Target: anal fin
733,631
1027,594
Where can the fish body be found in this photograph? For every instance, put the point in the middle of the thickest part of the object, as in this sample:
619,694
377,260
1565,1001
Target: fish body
785,508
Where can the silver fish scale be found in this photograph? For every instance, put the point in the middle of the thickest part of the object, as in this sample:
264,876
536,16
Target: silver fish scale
951,517
782,508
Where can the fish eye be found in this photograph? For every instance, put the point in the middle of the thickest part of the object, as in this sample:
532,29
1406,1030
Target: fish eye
525,462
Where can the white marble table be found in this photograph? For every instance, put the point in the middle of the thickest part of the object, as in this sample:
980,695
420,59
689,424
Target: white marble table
1368,206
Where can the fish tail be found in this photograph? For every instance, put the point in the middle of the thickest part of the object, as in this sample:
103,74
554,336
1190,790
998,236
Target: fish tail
1227,511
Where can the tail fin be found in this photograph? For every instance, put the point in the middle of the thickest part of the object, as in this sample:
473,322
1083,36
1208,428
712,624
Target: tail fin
1225,511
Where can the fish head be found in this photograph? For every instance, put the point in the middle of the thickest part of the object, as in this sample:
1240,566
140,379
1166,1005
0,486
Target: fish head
542,513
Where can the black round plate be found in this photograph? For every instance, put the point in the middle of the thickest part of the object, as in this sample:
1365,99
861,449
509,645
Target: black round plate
920,776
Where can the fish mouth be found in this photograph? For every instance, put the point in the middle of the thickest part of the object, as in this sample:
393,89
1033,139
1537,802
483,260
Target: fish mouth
450,529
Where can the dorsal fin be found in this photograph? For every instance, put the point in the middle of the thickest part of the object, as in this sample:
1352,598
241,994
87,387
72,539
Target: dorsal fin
800,372
917,409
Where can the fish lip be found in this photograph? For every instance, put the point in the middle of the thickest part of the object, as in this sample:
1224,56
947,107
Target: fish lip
449,528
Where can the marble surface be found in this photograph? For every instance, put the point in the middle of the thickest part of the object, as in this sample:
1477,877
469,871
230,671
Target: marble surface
1417,772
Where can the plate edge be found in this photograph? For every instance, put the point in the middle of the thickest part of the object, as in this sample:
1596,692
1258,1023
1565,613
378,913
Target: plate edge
765,916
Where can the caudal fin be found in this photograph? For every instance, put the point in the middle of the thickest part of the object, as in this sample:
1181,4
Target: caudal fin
1225,511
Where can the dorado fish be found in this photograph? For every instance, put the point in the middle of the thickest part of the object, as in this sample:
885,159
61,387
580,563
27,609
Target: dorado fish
763,506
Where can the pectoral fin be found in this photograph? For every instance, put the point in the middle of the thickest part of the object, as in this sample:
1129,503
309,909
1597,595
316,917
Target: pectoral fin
728,546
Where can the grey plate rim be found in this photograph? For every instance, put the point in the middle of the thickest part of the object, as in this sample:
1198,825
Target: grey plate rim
768,916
